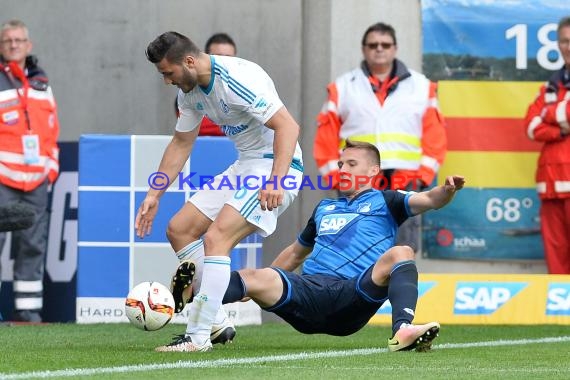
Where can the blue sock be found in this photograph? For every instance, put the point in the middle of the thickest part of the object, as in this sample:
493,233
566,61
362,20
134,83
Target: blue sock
403,293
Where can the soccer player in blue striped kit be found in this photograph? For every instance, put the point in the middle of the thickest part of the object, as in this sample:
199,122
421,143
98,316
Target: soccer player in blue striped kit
351,266
239,96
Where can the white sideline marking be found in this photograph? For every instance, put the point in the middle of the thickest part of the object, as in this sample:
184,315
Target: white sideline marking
260,359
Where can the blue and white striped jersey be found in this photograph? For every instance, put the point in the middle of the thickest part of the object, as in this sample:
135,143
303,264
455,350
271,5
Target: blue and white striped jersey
348,236
240,98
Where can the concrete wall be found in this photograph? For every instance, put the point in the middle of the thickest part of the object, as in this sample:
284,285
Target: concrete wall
94,54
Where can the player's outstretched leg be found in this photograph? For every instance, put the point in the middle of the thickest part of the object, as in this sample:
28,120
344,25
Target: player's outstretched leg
410,337
180,285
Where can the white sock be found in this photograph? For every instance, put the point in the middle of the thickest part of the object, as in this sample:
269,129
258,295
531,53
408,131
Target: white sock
207,303
194,252
220,316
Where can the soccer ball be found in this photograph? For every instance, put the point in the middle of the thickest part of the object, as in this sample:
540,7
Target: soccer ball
149,306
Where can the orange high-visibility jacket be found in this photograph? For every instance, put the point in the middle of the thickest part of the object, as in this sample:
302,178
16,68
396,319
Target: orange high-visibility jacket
27,106
400,116
547,120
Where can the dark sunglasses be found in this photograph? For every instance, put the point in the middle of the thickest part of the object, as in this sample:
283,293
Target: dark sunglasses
374,45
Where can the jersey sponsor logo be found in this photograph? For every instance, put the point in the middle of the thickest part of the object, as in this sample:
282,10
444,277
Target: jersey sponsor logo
558,301
364,207
484,298
232,130
423,288
333,223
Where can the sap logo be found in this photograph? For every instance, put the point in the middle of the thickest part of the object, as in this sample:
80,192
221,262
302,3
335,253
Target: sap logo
423,288
331,224
482,298
558,302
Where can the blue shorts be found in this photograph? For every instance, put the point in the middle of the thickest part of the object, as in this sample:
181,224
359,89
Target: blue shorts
322,304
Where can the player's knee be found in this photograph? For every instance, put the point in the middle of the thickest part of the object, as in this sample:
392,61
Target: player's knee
178,230
402,253
172,231
256,280
214,238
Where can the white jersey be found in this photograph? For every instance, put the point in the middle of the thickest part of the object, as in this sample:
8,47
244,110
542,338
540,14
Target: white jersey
240,98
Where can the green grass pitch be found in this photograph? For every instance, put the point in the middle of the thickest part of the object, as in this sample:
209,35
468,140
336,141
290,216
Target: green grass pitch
276,351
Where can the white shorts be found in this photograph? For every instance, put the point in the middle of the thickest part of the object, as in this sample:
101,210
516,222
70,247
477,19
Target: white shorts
239,187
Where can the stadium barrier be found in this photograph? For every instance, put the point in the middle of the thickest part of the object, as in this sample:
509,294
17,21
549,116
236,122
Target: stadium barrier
496,299
114,175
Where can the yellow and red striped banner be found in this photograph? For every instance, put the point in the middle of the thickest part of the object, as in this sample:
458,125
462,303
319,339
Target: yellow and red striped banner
487,141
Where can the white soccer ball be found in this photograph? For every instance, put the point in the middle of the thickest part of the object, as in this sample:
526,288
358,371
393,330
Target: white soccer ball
149,306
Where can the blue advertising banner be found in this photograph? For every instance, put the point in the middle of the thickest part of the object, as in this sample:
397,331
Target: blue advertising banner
485,224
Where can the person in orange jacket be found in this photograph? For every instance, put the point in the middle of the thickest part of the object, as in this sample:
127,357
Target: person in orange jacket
547,121
29,129
217,44
386,104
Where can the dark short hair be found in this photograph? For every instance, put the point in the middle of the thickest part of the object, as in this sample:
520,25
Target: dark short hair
563,23
371,149
171,45
381,28
219,38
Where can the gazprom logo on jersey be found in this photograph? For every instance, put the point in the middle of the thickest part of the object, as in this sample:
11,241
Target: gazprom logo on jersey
558,302
231,130
483,298
423,287
333,223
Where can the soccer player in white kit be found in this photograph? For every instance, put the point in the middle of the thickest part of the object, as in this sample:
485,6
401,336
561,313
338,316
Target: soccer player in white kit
239,96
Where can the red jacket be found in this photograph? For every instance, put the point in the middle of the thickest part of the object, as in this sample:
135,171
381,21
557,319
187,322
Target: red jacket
27,107
547,121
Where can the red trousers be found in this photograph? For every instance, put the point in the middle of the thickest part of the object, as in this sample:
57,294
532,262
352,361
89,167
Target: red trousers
555,226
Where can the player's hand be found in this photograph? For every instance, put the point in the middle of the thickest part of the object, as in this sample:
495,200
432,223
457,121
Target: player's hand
454,183
145,215
270,197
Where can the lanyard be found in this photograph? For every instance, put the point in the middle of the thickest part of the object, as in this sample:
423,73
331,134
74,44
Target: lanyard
17,72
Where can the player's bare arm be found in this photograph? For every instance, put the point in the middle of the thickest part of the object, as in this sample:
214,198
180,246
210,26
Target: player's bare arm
173,160
292,256
437,197
286,135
